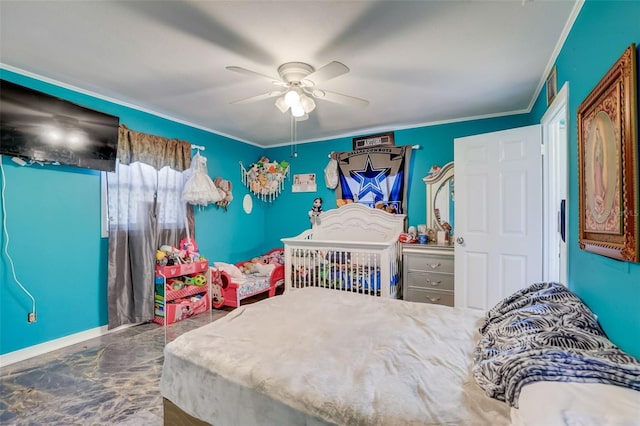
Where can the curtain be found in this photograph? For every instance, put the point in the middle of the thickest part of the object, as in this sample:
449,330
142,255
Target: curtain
145,211
377,177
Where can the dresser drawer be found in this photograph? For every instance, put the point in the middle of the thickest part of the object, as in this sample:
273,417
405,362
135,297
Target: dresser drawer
429,296
432,263
430,280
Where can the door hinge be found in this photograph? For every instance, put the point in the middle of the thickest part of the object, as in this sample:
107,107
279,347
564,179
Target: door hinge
542,149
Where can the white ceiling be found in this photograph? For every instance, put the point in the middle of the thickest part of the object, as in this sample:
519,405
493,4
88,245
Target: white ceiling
416,62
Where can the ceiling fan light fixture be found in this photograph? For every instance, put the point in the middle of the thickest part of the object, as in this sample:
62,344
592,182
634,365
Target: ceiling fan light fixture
281,104
307,103
297,110
292,98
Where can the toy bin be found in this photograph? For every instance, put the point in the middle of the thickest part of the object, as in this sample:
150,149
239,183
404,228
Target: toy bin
181,291
180,309
182,269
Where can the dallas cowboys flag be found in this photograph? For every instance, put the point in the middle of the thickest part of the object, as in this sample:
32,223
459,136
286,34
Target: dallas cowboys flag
376,177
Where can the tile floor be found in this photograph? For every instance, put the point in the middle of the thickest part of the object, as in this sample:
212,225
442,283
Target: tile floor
110,380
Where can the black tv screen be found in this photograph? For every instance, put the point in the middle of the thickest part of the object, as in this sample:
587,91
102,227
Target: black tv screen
41,127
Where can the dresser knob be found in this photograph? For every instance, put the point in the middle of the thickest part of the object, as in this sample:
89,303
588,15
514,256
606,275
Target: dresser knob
434,265
434,283
433,299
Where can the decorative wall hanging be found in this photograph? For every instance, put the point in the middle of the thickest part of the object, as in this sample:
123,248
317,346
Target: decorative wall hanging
608,164
305,182
224,187
552,86
199,189
265,178
364,142
376,177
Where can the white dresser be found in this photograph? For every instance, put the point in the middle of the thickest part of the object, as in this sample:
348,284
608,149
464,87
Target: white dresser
427,273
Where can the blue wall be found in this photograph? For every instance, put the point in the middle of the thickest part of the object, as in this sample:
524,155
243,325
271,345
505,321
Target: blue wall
53,213
601,33
53,221
436,144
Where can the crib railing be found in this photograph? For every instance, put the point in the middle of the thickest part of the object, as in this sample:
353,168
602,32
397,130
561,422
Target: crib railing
370,269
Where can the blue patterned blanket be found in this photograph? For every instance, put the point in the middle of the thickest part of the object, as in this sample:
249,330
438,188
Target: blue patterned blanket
546,333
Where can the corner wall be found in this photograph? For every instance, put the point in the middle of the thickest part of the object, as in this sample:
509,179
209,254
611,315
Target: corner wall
611,288
53,221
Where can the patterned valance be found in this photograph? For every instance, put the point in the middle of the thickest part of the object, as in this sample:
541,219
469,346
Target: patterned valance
155,151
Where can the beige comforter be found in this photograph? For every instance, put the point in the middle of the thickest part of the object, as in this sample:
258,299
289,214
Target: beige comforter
329,357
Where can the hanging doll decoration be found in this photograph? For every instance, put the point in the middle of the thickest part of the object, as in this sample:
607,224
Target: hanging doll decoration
224,187
316,209
199,189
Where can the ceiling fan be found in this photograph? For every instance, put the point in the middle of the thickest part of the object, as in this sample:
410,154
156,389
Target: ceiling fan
299,87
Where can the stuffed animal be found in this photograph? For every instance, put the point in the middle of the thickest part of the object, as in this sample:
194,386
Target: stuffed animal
315,211
190,247
224,186
161,258
263,270
176,284
173,256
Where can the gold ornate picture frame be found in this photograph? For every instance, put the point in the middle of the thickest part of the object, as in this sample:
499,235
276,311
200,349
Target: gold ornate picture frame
608,163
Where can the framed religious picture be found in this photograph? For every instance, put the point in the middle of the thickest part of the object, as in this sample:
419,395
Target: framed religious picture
608,163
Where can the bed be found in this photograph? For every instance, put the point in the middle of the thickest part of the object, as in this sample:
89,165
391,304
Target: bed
352,248
232,283
315,356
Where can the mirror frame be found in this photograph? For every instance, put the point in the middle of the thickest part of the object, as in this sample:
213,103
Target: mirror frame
433,182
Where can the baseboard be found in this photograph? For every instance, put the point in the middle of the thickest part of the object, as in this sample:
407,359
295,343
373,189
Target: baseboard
52,345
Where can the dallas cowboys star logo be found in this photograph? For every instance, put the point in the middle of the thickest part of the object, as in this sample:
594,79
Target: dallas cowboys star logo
370,179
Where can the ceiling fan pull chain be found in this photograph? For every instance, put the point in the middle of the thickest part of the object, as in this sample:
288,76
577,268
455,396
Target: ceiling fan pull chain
294,130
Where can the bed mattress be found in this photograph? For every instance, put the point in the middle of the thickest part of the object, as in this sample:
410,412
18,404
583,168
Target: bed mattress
318,356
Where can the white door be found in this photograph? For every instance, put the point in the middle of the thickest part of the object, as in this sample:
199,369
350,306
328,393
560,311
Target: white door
498,215
555,176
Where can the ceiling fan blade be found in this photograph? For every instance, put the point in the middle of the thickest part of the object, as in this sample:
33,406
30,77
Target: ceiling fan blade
250,73
327,72
339,98
258,97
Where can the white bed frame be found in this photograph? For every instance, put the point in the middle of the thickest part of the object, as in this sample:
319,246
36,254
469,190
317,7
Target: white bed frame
344,248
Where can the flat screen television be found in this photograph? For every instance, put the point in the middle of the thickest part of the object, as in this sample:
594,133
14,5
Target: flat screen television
40,127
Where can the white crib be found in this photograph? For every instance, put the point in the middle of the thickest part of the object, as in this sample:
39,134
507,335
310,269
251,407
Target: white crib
352,248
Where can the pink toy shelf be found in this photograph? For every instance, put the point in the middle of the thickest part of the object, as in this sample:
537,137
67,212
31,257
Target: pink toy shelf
175,304
199,267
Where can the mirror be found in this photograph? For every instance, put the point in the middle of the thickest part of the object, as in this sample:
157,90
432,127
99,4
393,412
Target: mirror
443,204
440,198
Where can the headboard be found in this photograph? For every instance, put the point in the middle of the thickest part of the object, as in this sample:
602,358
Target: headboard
357,222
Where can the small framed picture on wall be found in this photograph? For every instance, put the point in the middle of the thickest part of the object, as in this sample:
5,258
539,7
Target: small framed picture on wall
552,86
305,182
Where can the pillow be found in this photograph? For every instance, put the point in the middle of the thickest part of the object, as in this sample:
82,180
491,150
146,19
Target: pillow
263,270
230,269
585,404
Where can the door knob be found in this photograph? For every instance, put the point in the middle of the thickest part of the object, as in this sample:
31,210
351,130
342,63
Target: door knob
460,240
